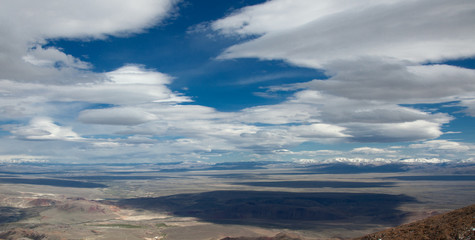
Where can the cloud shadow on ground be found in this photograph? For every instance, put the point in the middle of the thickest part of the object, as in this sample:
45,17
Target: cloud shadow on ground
11,214
317,184
435,178
280,209
52,182
338,168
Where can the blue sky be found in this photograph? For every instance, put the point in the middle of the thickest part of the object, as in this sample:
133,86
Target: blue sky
212,81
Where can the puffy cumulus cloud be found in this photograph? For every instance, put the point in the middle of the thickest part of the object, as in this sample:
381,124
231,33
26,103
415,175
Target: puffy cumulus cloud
129,85
42,128
53,58
26,25
340,110
313,33
324,118
394,132
137,102
442,145
137,75
310,115
361,120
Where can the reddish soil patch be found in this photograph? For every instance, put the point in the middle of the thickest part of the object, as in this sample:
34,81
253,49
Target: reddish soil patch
42,202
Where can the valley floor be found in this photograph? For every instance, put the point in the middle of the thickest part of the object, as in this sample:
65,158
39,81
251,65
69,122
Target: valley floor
146,201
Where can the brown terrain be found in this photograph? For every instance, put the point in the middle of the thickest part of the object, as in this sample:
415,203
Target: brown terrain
20,233
457,224
280,236
136,203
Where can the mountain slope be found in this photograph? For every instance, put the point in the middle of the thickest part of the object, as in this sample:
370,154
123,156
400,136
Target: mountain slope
457,224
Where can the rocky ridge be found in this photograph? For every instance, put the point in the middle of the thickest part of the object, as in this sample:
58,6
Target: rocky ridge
458,224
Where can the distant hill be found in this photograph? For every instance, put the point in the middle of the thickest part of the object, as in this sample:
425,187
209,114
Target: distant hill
457,224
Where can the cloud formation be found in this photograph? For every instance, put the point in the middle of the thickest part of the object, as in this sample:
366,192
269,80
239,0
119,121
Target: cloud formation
376,55
309,33
116,116
26,25
42,128
442,145
372,79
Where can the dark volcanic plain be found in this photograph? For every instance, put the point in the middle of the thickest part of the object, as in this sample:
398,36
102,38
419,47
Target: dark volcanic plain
228,200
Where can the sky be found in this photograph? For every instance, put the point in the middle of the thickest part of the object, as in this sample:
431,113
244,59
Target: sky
303,81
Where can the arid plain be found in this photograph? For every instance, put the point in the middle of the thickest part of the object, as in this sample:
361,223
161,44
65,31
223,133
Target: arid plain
180,201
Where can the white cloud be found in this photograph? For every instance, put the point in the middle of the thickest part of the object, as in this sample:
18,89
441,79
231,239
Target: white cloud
132,93
373,53
116,116
137,75
130,85
319,130
88,18
276,16
283,113
469,104
365,121
442,145
394,132
42,128
25,25
373,79
314,33
370,75
372,150
53,58
22,158
309,153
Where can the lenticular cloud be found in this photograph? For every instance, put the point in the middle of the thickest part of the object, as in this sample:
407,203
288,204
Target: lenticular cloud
314,33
